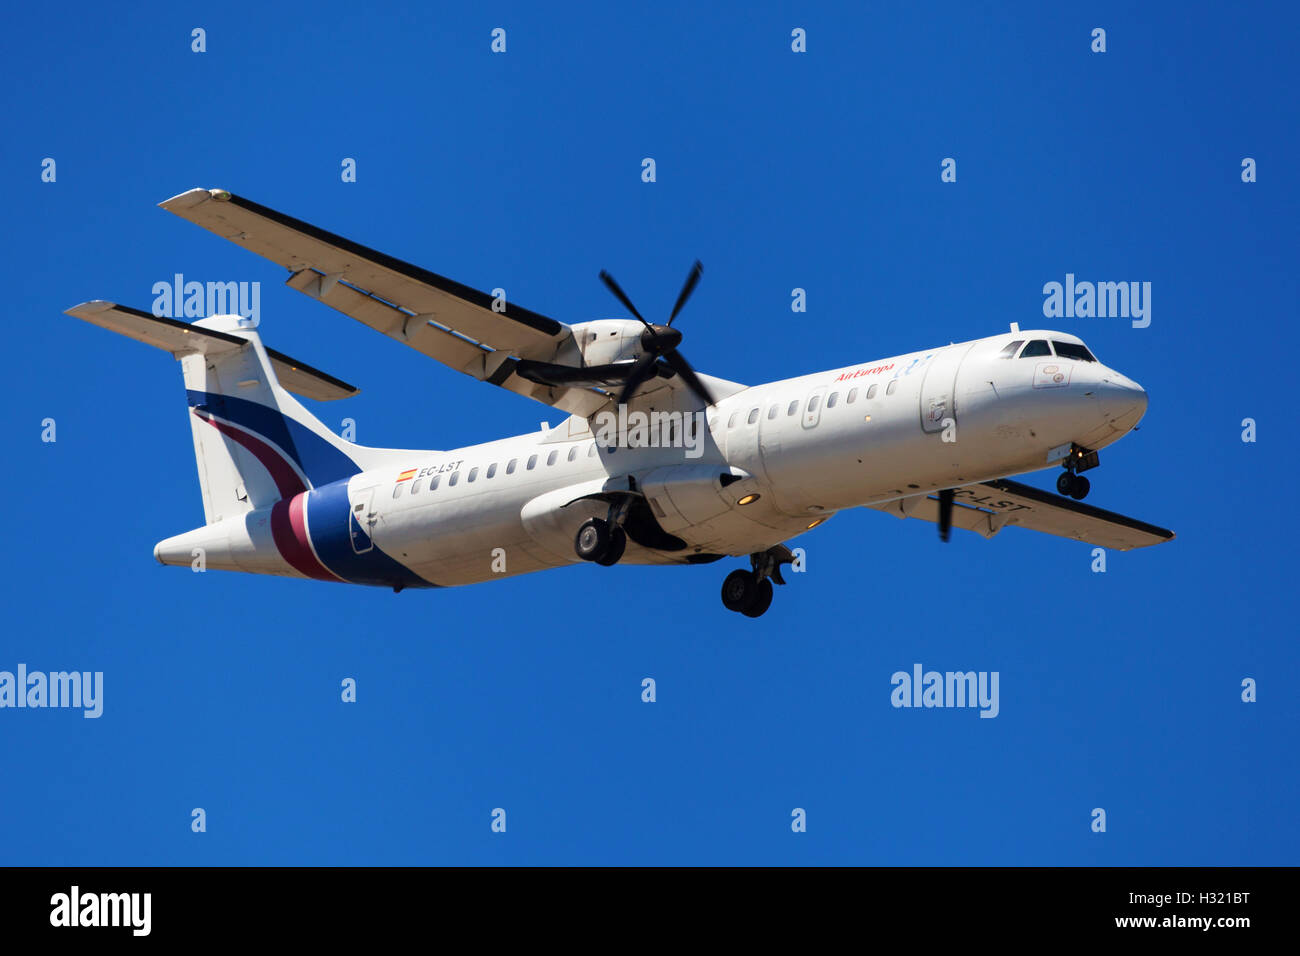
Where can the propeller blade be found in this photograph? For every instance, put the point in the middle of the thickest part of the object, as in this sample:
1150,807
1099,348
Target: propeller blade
643,369
683,368
692,280
945,513
619,294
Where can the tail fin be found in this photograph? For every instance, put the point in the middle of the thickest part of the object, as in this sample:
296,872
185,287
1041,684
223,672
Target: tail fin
253,442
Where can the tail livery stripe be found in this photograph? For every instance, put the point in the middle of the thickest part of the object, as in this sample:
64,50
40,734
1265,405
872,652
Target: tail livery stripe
311,454
287,479
289,531
326,553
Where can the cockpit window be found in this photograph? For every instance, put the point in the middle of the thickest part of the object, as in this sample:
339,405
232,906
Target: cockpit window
1035,348
1010,350
1071,351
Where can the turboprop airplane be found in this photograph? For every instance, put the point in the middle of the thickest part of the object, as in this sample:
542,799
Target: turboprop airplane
655,464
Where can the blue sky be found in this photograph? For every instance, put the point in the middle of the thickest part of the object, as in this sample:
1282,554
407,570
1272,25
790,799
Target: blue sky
779,170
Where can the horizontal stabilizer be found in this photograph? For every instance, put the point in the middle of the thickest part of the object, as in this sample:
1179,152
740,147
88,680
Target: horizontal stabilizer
182,338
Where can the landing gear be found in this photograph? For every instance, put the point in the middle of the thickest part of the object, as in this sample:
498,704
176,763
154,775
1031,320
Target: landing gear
597,540
1073,486
750,592
1071,483
745,592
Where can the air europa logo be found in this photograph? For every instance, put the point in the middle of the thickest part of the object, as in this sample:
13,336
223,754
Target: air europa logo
858,373
75,908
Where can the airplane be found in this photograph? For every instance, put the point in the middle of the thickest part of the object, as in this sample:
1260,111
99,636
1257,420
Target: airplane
656,464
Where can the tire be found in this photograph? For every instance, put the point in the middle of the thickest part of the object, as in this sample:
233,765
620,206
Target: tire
592,540
738,590
614,550
1081,488
1065,484
762,600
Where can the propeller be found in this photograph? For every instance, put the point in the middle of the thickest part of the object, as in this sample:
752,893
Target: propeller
659,342
945,513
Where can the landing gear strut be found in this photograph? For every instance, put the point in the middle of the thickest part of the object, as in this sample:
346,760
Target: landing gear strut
750,592
1071,483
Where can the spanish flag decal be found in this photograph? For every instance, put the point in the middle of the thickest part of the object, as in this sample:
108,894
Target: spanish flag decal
406,475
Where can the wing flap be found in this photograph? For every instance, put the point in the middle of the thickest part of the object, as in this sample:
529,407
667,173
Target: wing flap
989,507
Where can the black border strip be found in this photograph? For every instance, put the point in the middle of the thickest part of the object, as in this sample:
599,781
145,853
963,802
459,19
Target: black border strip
177,324
315,372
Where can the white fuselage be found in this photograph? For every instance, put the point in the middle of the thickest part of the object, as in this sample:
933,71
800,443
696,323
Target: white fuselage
795,450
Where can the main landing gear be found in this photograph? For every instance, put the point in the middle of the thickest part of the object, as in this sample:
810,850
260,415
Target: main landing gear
750,592
603,540
1071,483
600,541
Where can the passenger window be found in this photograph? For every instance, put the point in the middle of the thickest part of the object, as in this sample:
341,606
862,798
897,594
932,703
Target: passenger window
891,387
771,412
813,403
415,488
550,459
835,397
532,462
592,452
753,415
871,392
852,396
573,453
492,470
731,422
1036,348
455,477
434,483
510,468
794,408
1009,350
473,473
397,489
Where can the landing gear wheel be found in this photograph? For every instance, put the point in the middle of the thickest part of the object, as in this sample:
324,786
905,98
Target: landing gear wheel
614,550
739,590
593,539
1073,486
762,599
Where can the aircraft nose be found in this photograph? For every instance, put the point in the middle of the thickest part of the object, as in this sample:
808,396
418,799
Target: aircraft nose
1123,401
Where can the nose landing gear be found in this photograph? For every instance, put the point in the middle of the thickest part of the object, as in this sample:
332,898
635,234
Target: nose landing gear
1071,483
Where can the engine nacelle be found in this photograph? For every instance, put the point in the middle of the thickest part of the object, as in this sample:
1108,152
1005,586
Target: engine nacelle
606,341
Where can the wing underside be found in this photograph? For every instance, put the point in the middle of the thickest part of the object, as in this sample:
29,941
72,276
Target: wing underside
463,328
989,507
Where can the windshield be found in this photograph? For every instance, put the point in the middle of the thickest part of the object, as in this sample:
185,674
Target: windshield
1072,351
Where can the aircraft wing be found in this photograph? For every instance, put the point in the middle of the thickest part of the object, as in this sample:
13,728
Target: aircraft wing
989,507
447,321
